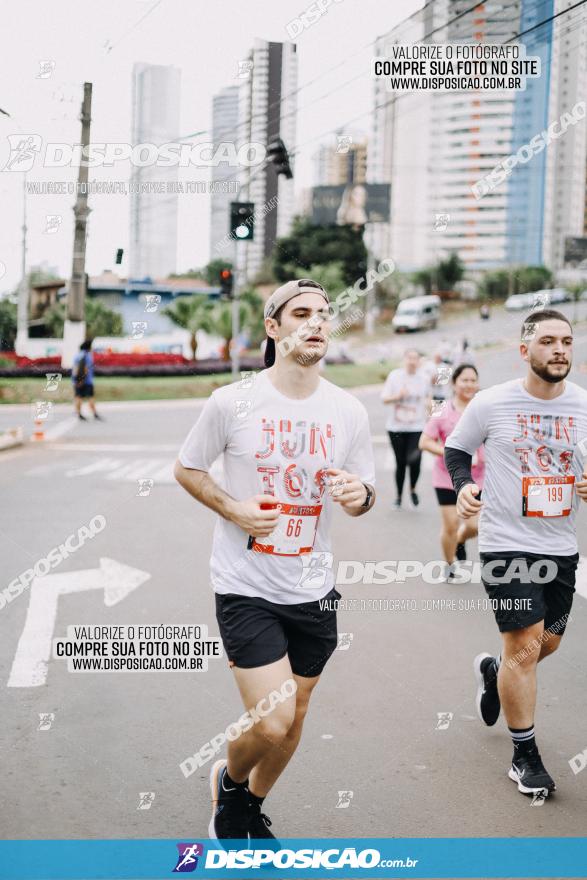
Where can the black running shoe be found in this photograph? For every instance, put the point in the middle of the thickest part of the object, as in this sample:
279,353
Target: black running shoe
259,824
487,699
83,418
230,808
414,497
530,773
461,552
397,504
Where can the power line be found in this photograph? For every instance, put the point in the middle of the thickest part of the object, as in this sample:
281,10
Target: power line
546,21
131,29
396,98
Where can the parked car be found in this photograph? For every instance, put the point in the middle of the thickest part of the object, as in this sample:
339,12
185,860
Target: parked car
558,295
538,298
519,301
417,313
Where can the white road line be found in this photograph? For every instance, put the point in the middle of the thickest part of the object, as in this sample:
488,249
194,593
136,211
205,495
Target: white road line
116,447
160,469
61,428
31,661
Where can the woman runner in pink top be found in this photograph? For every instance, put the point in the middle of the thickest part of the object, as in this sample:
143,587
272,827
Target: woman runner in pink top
454,532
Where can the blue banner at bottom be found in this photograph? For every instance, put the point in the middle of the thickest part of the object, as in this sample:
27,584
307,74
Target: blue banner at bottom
365,858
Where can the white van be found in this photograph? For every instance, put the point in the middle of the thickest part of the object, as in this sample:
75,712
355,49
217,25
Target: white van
417,313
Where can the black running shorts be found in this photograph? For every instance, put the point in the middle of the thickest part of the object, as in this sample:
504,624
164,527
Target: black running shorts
83,390
256,632
523,601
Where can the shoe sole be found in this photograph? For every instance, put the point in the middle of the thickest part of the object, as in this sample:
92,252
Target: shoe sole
524,788
480,684
214,776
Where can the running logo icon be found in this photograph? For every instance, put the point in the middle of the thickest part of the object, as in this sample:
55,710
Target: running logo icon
315,566
187,860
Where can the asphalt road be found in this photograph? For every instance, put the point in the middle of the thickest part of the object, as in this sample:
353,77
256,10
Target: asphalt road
373,728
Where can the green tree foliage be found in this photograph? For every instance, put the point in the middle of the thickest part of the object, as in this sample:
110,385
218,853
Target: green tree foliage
308,246
221,322
192,313
329,275
7,324
449,272
100,320
500,283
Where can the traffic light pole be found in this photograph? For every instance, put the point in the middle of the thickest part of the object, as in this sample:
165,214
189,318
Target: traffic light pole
239,282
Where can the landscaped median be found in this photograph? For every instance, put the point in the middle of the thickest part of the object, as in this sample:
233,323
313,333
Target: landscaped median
29,389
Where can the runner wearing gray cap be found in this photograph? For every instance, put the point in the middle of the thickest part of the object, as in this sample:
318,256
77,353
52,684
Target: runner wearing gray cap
293,446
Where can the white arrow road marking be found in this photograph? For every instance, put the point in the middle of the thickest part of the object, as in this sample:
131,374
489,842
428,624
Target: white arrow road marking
31,661
581,578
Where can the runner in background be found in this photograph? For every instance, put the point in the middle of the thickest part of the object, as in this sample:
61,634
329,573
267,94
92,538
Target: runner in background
294,446
463,354
407,393
439,371
535,434
454,532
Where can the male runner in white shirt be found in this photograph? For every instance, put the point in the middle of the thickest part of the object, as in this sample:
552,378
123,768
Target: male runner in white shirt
535,435
293,446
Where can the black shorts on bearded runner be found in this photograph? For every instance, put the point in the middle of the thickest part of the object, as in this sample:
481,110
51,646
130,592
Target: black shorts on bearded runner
535,436
283,454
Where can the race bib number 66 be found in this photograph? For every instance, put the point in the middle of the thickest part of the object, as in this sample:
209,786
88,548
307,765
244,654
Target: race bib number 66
547,496
294,534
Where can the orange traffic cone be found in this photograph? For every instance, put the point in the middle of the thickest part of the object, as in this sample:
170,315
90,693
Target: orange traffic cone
38,433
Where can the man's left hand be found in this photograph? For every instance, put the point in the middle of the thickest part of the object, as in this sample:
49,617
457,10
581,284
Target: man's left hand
346,489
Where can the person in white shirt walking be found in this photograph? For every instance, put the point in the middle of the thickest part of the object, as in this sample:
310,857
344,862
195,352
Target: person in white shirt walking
407,392
535,435
293,446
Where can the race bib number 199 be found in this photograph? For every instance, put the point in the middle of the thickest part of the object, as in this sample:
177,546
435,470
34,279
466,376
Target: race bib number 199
294,534
547,496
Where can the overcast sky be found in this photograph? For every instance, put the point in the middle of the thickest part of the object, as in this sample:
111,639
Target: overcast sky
205,40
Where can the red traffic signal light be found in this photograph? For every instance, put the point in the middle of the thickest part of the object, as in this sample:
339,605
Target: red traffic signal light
226,282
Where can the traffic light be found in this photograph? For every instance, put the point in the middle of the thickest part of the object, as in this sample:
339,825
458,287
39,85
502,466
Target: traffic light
226,283
242,220
119,254
278,155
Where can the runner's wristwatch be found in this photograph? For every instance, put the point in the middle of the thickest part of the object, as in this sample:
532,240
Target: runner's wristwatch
368,499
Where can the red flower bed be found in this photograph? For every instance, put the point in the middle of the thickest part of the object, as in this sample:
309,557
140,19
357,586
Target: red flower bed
103,359
131,359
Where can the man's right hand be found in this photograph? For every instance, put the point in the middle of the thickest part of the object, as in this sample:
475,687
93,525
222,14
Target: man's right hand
467,504
255,516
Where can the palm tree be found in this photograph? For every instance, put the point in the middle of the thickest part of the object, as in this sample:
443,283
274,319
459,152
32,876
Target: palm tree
221,322
193,313
254,318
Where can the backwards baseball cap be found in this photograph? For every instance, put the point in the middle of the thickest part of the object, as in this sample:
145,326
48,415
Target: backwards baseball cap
279,298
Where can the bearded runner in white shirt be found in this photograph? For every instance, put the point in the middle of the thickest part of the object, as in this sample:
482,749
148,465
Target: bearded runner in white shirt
293,445
535,435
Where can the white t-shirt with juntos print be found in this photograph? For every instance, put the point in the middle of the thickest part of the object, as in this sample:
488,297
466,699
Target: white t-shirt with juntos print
273,444
535,451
